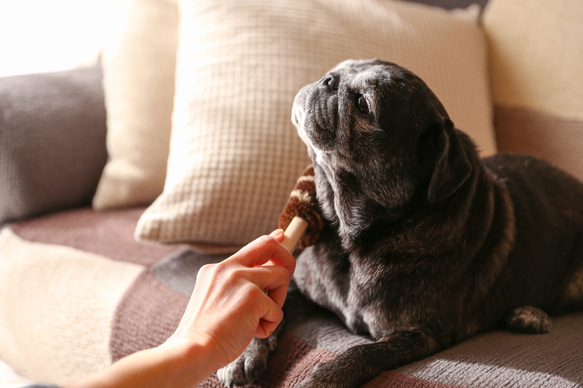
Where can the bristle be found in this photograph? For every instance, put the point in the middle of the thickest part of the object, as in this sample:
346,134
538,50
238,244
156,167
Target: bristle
303,203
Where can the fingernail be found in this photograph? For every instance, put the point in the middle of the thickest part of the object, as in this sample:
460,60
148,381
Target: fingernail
277,234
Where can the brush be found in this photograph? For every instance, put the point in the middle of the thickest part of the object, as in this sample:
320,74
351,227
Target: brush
301,217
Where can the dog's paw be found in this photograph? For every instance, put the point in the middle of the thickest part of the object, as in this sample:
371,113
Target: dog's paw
326,375
248,367
233,374
529,319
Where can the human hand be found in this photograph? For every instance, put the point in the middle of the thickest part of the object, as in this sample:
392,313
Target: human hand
238,298
232,301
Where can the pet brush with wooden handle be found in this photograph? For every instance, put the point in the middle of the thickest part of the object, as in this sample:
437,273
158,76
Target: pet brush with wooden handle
301,218
294,232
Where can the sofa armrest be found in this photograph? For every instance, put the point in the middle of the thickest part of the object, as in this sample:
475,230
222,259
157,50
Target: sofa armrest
52,141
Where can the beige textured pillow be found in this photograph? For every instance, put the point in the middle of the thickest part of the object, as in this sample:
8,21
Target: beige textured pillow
536,62
234,154
139,65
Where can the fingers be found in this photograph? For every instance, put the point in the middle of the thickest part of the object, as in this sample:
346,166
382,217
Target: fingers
269,323
269,314
244,293
274,281
276,291
278,234
266,249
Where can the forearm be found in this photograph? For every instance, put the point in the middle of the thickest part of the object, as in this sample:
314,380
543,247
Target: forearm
172,366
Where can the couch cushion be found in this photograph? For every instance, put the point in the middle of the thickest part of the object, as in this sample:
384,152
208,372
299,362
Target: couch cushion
536,62
52,141
139,59
234,153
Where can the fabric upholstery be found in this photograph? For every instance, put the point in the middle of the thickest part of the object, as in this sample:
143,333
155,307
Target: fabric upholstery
139,59
43,281
536,62
451,4
52,141
100,305
234,153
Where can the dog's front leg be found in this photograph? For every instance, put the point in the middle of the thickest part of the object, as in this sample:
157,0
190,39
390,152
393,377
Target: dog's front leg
362,363
251,363
249,366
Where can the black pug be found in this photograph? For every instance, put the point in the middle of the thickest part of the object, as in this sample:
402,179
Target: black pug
425,245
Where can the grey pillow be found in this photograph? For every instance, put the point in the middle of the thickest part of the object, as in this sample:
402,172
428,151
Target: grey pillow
52,141
451,4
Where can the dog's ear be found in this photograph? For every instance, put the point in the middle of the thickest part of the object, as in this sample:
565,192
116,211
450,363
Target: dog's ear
452,167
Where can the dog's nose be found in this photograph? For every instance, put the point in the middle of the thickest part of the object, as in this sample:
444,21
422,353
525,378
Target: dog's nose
330,81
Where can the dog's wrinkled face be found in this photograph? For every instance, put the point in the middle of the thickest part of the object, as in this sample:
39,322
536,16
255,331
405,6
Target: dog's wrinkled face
376,131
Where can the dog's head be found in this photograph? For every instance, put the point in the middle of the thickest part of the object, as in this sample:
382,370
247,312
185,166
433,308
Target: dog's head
378,137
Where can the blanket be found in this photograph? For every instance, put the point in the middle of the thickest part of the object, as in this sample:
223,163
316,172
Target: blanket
77,293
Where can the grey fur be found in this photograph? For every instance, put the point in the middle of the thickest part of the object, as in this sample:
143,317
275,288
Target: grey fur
425,244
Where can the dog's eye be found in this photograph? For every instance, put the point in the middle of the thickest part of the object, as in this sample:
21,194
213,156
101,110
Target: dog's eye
362,104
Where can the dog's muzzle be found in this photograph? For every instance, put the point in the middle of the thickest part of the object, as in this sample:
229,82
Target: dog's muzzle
299,109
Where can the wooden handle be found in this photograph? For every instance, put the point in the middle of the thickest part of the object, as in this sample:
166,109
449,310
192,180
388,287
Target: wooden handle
294,232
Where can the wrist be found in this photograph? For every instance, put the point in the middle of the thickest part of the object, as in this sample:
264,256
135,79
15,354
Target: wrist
193,359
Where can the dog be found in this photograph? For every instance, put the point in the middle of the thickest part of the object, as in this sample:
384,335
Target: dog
424,244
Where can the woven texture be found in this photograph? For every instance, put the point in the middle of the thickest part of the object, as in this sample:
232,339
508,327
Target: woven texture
139,60
52,141
536,63
234,154
77,292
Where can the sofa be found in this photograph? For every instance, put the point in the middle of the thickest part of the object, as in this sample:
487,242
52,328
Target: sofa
119,181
